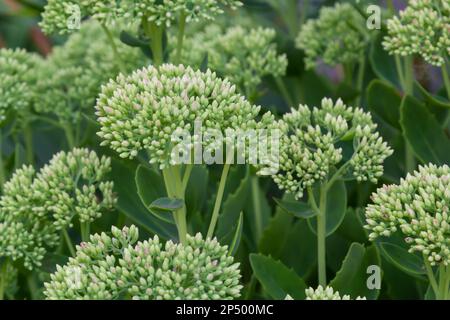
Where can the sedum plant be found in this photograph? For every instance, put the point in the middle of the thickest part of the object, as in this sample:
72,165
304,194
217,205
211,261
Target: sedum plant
142,111
418,208
326,293
422,28
241,54
72,75
17,93
312,158
119,266
37,208
337,36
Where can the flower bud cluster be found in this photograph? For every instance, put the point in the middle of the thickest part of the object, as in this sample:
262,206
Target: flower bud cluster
418,207
117,266
35,207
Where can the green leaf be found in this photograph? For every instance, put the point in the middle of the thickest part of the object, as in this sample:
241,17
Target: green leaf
150,186
336,207
401,258
382,63
298,209
277,279
166,205
197,189
423,132
351,279
231,209
237,236
123,175
275,235
384,100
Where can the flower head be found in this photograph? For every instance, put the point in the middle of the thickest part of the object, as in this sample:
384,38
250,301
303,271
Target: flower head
36,206
117,266
326,293
62,16
337,36
17,79
418,207
311,146
72,75
242,55
143,111
422,28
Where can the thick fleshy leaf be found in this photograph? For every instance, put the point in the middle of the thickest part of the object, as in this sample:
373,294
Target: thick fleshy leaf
382,63
336,208
166,205
123,175
423,132
384,100
150,186
277,279
401,258
298,209
237,235
352,278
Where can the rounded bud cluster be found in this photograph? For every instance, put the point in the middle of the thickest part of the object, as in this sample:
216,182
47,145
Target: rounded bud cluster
310,146
17,80
143,111
337,36
36,206
241,54
422,28
118,267
418,207
326,293
62,15
72,75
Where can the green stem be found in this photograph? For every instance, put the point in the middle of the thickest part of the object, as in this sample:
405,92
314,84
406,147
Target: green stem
69,135
409,75
174,188
3,273
69,242
28,139
85,231
430,275
400,73
187,175
220,191
305,11
32,286
2,165
442,281
257,207
446,78
114,47
284,92
390,6
181,30
321,238
360,79
155,33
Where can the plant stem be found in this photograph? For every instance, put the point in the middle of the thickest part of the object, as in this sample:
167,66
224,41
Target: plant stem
256,207
409,75
2,165
321,237
187,175
305,11
430,275
400,73
114,47
69,135
360,79
3,272
284,92
28,139
446,78
69,242
220,191
155,33
174,189
85,231
181,29
32,286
